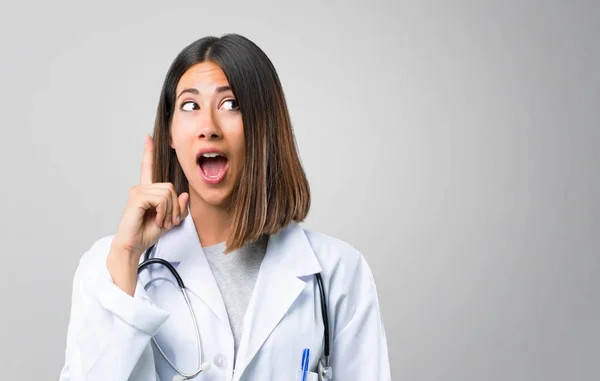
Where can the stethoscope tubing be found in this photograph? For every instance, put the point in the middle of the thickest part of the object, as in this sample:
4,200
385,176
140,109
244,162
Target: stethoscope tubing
147,261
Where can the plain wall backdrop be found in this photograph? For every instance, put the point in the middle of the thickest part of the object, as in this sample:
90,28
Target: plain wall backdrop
454,143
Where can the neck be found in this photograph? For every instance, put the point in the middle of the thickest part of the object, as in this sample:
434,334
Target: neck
212,222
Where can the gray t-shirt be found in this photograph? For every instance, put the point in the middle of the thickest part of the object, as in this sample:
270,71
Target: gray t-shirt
236,275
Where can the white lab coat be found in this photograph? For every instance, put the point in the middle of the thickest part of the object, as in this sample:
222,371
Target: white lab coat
109,332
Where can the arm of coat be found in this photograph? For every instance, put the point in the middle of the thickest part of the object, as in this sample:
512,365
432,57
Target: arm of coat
109,332
360,350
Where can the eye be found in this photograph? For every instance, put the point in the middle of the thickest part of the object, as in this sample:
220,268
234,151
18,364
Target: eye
189,106
230,104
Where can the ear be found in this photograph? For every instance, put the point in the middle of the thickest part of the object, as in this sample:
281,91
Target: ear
171,140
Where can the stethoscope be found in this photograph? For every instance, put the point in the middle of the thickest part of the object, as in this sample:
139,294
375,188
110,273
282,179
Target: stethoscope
325,369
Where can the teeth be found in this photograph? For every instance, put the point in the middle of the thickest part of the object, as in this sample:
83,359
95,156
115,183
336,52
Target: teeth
210,155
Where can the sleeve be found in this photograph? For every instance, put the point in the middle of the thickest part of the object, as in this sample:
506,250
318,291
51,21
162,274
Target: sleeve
359,350
109,331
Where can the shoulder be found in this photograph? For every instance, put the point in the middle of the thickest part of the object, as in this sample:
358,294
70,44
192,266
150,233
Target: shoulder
332,252
92,262
98,251
347,277
342,263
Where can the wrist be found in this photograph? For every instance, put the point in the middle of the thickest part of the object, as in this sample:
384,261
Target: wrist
125,251
122,266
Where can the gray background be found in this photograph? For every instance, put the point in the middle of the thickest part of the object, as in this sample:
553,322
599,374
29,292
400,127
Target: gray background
453,143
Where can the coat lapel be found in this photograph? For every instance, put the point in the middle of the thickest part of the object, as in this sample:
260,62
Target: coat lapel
182,248
289,256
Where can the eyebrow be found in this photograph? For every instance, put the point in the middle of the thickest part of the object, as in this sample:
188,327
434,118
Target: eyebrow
192,90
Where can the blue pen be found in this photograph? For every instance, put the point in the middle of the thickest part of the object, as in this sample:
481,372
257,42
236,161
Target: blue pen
305,360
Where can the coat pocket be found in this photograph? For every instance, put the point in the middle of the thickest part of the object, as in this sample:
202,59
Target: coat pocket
310,376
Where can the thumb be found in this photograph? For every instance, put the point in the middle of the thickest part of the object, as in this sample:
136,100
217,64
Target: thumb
183,204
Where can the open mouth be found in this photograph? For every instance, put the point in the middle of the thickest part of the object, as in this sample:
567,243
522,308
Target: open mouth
213,166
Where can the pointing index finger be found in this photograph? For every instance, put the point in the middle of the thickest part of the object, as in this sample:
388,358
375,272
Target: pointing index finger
147,161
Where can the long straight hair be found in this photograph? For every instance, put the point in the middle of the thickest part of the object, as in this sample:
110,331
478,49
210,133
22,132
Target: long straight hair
273,189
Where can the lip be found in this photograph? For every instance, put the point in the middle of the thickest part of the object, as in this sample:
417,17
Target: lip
221,176
202,151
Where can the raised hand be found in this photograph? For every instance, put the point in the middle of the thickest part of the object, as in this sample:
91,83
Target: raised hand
152,209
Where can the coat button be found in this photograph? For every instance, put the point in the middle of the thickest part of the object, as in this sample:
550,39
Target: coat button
220,360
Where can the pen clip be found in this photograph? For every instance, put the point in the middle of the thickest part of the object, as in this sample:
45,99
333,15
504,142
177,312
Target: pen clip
305,362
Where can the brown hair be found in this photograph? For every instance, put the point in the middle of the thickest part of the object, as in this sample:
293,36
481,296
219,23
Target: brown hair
273,189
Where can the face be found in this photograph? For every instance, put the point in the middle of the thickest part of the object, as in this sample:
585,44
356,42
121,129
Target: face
207,134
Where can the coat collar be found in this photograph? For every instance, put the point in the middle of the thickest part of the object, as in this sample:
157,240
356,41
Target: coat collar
288,260
289,250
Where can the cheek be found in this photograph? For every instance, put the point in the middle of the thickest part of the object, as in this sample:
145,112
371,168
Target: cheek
233,131
181,132
238,139
241,145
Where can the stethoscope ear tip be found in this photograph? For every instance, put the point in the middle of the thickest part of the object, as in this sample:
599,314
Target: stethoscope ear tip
205,366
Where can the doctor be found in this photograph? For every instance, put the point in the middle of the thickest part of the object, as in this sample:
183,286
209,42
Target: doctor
221,196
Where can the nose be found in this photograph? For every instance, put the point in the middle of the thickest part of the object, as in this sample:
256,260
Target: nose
208,126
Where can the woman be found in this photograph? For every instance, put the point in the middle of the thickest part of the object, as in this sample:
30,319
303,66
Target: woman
221,196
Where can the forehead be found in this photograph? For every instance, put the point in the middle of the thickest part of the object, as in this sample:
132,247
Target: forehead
205,77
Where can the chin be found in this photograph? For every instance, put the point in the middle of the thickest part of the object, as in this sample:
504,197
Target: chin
216,201
214,197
